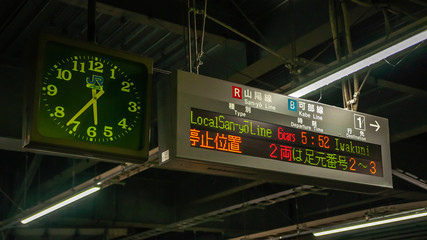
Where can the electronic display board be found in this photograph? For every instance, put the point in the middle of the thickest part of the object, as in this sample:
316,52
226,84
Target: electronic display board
232,134
212,126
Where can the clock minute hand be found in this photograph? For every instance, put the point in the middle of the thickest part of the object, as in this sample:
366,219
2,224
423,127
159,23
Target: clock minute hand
95,108
86,106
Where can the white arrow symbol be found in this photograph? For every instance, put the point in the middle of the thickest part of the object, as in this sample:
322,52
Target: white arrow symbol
377,125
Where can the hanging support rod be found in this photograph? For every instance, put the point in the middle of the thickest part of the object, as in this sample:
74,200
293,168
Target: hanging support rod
288,63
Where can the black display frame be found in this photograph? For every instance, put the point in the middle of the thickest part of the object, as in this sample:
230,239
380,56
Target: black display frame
185,91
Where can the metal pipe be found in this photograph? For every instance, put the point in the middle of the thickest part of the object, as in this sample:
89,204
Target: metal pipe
345,94
347,27
196,53
334,29
204,25
350,53
333,21
190,62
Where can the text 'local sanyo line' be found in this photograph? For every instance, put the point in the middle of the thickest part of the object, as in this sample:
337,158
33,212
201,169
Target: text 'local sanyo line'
218,122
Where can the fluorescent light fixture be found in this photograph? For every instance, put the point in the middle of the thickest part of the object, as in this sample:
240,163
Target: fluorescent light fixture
60,204
370,224
354,67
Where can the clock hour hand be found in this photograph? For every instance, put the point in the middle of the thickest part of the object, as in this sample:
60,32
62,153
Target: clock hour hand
86,106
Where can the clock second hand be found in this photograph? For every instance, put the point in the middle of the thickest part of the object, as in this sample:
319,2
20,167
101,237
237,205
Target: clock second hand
86,106
95,108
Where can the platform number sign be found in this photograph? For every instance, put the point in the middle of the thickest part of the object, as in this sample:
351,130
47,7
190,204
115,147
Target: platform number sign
359,122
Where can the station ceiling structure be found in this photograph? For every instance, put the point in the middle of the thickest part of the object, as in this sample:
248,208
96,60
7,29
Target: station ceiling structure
146,201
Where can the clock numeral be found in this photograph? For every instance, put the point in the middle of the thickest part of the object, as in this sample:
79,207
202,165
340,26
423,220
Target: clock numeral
113,73
64,74
77,123
82,66
126,86
122,123
108,131
91,131
132,107
96,66
51,90
59,112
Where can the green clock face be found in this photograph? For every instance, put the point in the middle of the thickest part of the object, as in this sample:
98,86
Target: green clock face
89,98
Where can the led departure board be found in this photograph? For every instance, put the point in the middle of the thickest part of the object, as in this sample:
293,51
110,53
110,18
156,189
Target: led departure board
207,125
214,131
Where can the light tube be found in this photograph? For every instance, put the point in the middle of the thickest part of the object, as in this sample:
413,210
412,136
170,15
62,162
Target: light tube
60,204
370,224
352,68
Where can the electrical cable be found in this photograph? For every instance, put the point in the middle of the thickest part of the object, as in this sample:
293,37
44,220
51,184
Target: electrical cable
195,34
345,16
271,10
203,27
200,53
404,57
190,67
249,20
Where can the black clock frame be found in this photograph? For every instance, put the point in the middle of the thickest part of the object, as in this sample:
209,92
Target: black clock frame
34,141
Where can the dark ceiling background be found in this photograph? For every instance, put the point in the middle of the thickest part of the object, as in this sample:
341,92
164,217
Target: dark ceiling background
148,202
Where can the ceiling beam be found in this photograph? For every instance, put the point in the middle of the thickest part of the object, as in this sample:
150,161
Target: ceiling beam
66,174
69,233
407,31
409,133
402,88
335,219
106,179
112,224
228,192
146,20
302,45
410,178
30,173
228,211
408,93
11,144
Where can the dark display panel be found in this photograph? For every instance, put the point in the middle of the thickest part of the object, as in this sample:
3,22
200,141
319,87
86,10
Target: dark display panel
221,132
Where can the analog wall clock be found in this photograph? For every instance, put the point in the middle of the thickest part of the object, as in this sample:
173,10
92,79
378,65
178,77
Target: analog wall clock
89,101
